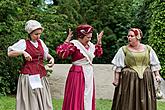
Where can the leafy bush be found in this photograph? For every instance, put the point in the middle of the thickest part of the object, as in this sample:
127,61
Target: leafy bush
13,16
114,17
8,67
157,31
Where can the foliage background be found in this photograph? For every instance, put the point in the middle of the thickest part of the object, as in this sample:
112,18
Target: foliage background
115,17
157,31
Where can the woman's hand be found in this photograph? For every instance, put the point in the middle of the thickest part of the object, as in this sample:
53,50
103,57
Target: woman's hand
70,35
51,61
158,78
99,37
27,56
115,82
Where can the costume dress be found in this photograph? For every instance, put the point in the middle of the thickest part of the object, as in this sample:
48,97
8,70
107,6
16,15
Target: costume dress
79,89
136,89
30,96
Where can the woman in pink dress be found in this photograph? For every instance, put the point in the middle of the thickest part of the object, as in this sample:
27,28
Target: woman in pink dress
80,89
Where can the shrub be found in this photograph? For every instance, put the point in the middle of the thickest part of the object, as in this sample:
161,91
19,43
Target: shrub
157,32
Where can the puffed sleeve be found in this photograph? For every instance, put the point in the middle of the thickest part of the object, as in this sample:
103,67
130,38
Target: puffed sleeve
154,61
46,50
98,50
118,61
18,46
66,49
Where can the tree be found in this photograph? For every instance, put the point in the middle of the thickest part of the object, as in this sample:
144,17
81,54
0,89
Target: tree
13,15
157,31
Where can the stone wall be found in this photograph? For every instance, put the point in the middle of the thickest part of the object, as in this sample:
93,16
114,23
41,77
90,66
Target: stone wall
103,75
103,80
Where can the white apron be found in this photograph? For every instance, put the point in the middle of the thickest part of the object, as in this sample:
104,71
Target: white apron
86,64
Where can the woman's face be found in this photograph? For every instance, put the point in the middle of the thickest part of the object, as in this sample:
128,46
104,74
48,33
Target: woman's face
35,35
132,38
87,38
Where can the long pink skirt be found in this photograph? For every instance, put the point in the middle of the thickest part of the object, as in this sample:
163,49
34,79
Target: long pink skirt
74,90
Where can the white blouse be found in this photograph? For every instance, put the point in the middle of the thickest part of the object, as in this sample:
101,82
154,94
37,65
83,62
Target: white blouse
21,46
118,61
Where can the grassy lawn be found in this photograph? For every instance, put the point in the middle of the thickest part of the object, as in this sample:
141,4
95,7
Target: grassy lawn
8,103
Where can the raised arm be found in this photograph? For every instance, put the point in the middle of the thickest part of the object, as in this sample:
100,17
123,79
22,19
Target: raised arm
67,48
98,47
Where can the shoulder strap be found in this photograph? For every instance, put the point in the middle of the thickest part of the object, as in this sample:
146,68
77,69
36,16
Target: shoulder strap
124,49
149,48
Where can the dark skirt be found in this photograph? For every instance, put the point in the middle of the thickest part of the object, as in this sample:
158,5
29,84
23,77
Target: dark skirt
134,93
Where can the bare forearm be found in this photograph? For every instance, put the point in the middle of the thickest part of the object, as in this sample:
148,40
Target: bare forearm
117,74
15,53
156,73
51,60
49,57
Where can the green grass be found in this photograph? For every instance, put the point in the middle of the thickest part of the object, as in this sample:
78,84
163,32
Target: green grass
161,105
8,103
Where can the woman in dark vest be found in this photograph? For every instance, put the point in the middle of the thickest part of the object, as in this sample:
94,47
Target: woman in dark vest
135,65
33,88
